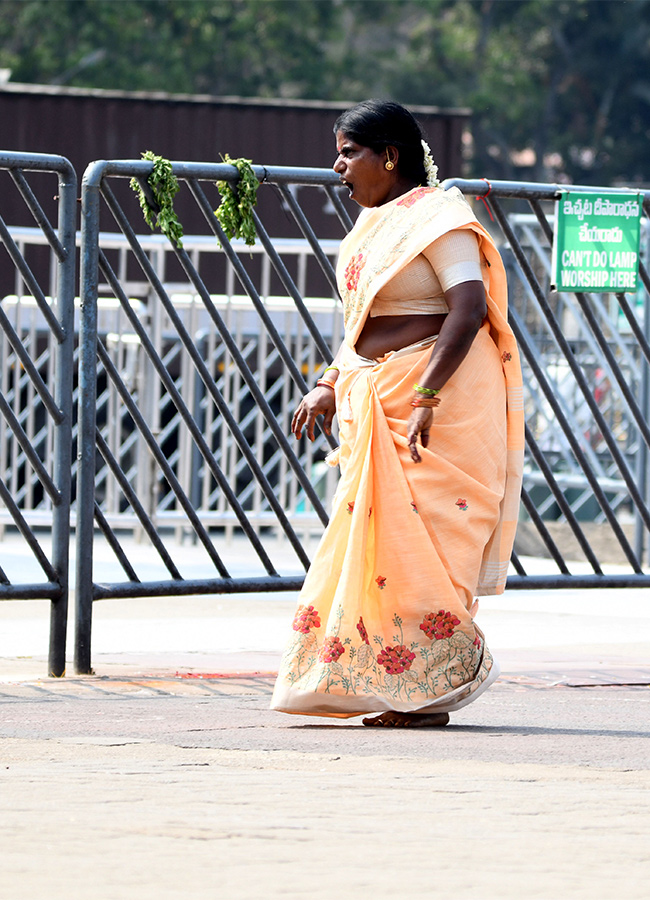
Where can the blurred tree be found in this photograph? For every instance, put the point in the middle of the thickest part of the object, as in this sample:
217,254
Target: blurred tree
559,88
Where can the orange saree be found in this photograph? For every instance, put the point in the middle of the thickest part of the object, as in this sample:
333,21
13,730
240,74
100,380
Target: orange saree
385,617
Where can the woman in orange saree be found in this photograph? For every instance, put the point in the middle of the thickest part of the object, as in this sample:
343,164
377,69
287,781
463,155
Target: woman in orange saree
428,393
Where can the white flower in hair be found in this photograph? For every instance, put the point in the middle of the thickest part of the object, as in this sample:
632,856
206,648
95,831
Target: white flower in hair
430,167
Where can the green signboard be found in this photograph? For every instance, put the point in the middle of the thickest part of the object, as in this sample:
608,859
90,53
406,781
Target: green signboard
596,245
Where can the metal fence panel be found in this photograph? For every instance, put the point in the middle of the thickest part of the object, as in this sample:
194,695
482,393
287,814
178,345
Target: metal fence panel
585,359
185,405
36,379
192,359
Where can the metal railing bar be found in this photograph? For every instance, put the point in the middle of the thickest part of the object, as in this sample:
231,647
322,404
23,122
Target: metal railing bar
250,381
114,544
250,585
516,562
36,162
249,287
529,190
594,298
591,477
63,372
252,385
226,336
29,451
3,577
28,534
137,507
224,409
309,234
39,215
633,322
572,424
536,207
570,358
543,531
29,367
188,419
141,169
341,211
615,336
49,590
542,254
577,582
614,367
30,280
292,290
561,500
160,459
643,273
590,339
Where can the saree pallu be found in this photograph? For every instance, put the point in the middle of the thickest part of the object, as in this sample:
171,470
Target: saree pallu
385,616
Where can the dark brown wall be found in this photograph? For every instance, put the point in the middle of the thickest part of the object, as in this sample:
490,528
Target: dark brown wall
85,125
88,125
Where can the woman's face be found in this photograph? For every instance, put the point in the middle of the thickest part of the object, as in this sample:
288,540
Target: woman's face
364,172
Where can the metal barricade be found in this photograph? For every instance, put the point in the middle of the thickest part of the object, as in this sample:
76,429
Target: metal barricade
240,406
36,391
192,441
585,364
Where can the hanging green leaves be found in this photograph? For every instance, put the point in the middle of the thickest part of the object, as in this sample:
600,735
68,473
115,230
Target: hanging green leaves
164,186
235,213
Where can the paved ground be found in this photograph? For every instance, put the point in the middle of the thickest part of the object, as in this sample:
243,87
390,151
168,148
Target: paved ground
166,776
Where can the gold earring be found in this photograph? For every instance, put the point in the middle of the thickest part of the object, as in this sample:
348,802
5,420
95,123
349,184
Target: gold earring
389,165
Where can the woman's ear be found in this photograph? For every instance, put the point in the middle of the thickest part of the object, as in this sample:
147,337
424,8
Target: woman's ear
392,156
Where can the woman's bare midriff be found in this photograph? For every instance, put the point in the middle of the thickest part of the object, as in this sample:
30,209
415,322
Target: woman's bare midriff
381,334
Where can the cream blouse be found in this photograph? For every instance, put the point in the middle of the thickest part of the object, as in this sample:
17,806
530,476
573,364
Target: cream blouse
418,288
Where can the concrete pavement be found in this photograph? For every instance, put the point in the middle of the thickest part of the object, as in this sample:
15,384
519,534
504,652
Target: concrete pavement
165,775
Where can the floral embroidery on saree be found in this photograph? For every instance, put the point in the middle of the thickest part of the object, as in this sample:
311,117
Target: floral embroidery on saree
411,198
305,619
439,625
411,671
353,272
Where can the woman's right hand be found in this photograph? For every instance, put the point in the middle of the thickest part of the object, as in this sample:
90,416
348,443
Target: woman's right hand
319,402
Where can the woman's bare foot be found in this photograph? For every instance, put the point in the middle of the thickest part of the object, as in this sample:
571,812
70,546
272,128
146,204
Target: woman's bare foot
408,720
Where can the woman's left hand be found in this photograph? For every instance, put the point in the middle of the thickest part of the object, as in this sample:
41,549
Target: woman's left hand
419,423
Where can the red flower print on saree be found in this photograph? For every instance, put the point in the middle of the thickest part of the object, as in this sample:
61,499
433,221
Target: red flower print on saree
305,619
439,625
396,659
331,650
411,198
361,628
353,271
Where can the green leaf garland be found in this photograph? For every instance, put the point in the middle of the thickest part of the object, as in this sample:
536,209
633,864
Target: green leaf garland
164,186
235,213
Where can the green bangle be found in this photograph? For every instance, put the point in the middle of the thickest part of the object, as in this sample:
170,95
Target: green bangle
331,369
428,392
